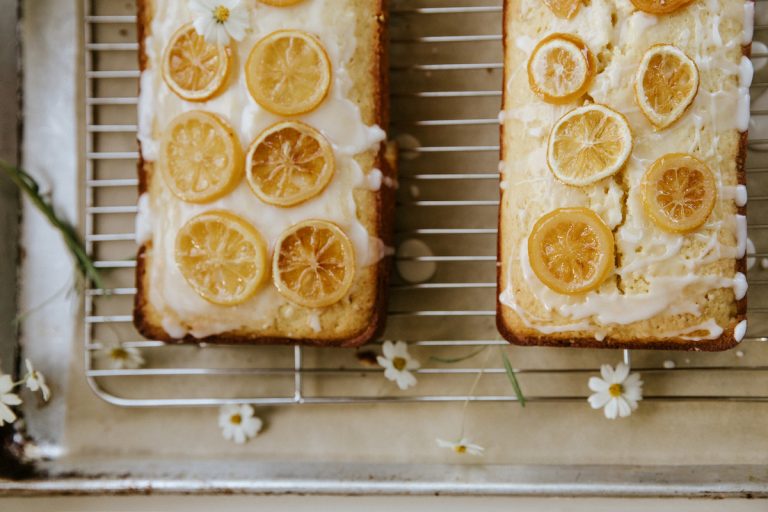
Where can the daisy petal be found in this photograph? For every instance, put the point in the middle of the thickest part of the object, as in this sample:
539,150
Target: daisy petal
10,399
405,380
612,409
606,371
635,394
401,349
620,374
6,415
199,7
6,384
632,380
388,349
624,408
598,400
391,373
598,384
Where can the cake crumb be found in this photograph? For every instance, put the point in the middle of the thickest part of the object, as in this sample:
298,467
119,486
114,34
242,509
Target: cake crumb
669,364
739,353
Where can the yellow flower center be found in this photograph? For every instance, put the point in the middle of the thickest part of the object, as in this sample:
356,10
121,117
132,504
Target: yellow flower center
460,448
616,390
399,363
119,353
221,14
236,419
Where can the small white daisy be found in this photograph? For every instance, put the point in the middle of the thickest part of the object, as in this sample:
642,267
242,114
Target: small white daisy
398,363
218,20
7,399
238,423
121,357
35,380
462,447
617,392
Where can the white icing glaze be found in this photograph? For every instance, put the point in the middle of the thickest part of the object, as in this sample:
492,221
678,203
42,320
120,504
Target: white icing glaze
373,180
749,23
173,327
740,331
314,321
740,286
338,118
143,220
741,236
711,327
672,284
738,194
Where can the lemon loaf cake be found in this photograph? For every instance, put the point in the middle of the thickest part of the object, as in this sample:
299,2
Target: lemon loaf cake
264,211
622,220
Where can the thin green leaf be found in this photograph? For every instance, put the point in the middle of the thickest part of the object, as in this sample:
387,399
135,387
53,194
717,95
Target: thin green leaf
31,189
513,379
457,359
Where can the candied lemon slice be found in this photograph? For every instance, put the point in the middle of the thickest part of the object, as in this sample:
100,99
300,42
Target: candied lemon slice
679,192
660,6
588,144
289,163
194,69
566,9
571,250
666,84
200,157
560,68
222,257
280,3
288,72
313,264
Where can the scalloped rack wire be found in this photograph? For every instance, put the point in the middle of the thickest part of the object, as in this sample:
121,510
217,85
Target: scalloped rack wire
446,79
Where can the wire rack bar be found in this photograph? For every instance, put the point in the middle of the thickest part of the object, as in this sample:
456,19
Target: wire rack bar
453,306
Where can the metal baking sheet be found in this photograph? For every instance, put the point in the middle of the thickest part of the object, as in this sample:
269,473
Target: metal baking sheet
700,433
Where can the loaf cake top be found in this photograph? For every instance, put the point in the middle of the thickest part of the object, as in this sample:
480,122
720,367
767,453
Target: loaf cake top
664,286
347,118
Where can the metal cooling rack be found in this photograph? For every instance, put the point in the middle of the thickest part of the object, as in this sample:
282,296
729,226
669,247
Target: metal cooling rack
446,80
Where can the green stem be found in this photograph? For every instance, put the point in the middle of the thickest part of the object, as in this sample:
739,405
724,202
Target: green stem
29,186
512,377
